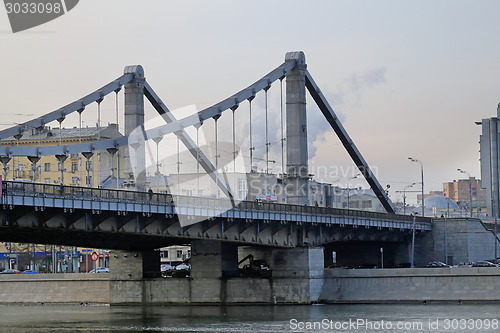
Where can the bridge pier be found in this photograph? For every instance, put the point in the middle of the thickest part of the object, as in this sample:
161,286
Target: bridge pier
127,272
297,273
134,125
296,189
211,263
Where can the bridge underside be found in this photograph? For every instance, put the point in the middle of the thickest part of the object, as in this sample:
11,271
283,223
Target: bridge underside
137,231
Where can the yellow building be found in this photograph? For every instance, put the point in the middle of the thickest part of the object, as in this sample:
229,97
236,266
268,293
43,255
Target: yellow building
78,171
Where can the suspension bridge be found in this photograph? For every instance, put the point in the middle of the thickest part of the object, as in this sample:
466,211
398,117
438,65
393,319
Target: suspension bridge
133,145
290,234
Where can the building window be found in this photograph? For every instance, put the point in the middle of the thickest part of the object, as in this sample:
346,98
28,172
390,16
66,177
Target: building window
46,167
88,165
74,180
74,155
179,253
242,188
88,180
189,193
47,180
163,254
74,166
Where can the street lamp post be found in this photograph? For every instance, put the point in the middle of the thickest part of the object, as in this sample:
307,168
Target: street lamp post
470,189
349,190
382,257
413,242
422,172
496,241
494,229
446,232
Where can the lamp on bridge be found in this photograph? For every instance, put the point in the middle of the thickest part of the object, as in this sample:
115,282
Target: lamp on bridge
422,172
349,190
470,189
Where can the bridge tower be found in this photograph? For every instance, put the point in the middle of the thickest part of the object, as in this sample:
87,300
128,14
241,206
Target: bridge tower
296,132
134,124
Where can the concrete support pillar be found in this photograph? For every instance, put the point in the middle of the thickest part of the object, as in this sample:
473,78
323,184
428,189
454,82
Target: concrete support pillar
135,160
211,262
297,274
296,132
127,272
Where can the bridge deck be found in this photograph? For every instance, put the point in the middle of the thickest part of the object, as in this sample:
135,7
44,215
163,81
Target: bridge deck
98,200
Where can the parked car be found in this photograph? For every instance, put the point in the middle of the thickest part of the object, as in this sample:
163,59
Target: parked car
100,270
10,271
166,267
182,267
464,264
483,264
29,271
436,264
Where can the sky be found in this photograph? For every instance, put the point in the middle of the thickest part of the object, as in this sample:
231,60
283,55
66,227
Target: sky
407,78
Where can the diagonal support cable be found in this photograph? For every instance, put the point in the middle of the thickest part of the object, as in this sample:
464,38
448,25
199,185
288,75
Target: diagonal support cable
203,160
349,145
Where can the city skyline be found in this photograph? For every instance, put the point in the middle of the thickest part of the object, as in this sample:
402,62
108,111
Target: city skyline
407,79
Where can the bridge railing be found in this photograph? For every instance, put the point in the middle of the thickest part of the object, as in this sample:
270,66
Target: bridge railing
75,192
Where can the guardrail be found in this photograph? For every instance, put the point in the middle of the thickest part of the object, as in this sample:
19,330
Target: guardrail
75,192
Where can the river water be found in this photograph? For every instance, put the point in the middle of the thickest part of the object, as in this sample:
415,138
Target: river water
267,319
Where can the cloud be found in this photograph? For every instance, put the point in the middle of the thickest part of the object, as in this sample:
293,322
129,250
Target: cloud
358,83
349,94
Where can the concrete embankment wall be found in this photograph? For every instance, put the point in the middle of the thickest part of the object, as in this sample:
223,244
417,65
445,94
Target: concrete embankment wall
217,291
411,285
338,286
297,278
54,288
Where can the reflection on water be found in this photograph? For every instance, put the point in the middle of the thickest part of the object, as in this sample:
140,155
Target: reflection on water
264,318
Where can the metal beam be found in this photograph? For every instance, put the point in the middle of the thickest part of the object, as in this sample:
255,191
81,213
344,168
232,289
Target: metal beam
349,145
180,124
68,109
187,141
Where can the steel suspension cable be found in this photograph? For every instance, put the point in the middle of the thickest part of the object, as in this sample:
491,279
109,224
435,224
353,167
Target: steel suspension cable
234,150
178,166
282,132
198,157
251,144
98,138
267,133
80,138
216,118
117,135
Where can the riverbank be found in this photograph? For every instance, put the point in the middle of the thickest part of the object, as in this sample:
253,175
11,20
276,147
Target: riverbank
418,285
467,284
